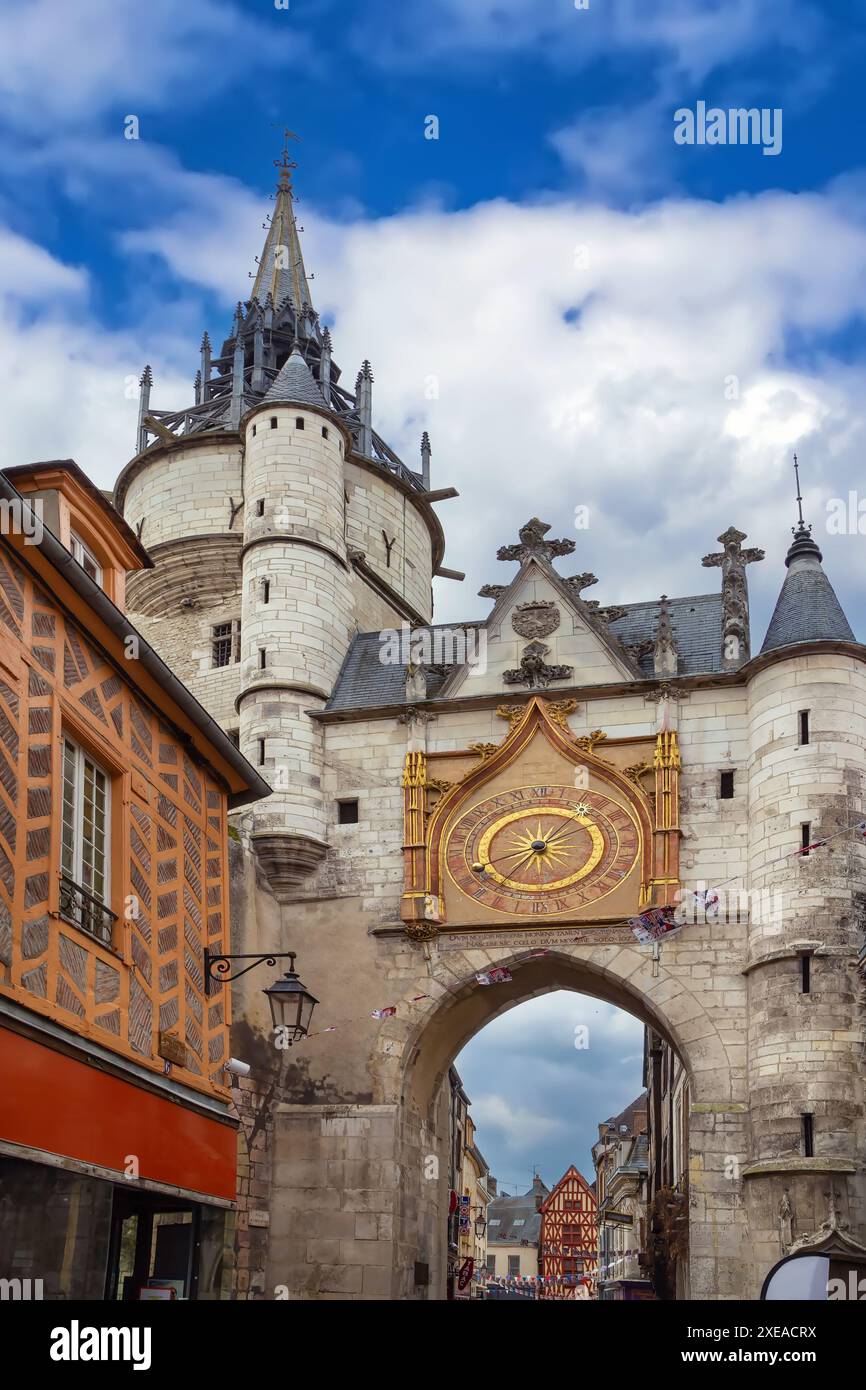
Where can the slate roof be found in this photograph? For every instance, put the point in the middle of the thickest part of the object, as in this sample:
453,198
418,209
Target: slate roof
697,624
629,1115
295,384
807,609
510,1210
366,682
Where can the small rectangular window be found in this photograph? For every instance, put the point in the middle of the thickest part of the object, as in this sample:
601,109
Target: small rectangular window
726,785
273,422
224,644
805,837
266,591
324,431
263,658
299,422
260,507
254,431
803,719
347,812
86,558
261,752
806,972
808,1136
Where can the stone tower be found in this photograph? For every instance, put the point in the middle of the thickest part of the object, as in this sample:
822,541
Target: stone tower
279,523
806,782
296,610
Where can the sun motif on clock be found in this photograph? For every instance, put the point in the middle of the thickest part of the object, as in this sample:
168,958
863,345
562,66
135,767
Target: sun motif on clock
542,850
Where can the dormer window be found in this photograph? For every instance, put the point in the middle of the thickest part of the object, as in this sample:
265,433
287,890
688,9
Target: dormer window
86,558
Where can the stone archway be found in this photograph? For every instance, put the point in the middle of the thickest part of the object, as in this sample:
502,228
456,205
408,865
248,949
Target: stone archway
622,976
368,1166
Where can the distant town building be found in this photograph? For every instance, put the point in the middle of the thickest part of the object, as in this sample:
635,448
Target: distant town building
668,1177
621,1166
568,1245
514,1232
470,1195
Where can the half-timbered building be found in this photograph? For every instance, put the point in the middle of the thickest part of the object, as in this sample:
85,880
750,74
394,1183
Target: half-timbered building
568,1243
118,1144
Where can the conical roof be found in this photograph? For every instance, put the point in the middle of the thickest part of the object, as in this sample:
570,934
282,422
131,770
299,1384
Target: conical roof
295,384
807,609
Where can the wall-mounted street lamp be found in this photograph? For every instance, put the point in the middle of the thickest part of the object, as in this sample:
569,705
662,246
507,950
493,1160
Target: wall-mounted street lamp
480,1225
291,1003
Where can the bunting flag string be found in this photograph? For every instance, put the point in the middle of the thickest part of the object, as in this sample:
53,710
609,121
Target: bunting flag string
498,976
859,828
388,1011
659,923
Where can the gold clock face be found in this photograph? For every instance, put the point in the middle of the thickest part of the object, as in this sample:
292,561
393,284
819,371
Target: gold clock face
542,850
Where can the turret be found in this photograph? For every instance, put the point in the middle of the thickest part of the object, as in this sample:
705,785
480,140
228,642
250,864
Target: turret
295,615
807,783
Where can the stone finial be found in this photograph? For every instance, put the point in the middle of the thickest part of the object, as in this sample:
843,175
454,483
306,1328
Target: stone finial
325,367
578,582
364,406
665,655
607,615
237,396
732,561
425,459
145,382
205,368
533,543
416,676
197,388
533,671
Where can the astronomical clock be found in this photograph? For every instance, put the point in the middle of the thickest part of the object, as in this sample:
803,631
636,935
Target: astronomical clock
542,829
542,850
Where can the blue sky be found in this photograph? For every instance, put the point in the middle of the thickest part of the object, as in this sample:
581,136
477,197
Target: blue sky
608,319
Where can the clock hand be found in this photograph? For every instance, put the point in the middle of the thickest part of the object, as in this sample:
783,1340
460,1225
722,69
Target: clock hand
491,863
567,825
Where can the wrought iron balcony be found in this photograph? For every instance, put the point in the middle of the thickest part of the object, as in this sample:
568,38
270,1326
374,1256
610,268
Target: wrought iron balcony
83,910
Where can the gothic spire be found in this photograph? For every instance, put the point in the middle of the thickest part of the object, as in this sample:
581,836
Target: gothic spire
281,270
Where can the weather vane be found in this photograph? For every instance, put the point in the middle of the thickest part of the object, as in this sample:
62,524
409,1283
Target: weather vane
285,164
799,497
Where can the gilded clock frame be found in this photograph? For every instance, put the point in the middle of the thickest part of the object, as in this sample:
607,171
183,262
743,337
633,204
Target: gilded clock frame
426,835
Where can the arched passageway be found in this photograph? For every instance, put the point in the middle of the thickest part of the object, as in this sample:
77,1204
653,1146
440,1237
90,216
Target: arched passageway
628,979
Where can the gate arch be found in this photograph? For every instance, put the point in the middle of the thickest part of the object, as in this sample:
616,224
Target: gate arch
415,1052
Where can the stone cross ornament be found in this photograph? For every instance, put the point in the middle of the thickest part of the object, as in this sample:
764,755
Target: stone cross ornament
735,594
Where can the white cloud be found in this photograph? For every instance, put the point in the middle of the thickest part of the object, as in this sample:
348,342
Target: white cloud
70,385
514,1126
618,153
27,272
73,63
665,404
694,36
